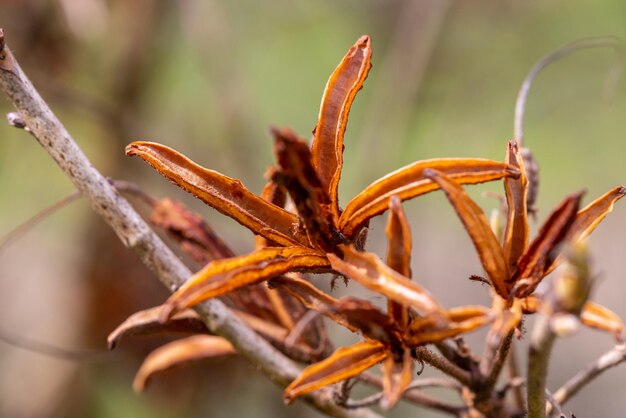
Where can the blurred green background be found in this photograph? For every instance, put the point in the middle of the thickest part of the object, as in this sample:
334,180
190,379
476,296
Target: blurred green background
208,78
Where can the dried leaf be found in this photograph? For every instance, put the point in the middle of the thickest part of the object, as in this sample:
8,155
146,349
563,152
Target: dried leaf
343,364
397,376
223,276
227,195
517,232
462,320
399,238
179,352
199,240
398,254
340,91
604,319
479,230
301,350
371,272
409,182
310,296
195,236
369,320
305,292
297,175
590,217
147,322
534,264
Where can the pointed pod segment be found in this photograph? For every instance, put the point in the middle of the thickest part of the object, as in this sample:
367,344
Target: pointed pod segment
462,320
410,181
369,320
178,353
223,276
147,322
543,251
589,217
397,376
516,232
398,254
371,272
343,364
341,89
298,176
227,195
478,228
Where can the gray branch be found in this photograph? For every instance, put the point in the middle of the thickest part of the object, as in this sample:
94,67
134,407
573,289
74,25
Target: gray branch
137,235
610,359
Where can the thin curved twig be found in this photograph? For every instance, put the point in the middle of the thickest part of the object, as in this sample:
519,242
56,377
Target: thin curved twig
554,405
585,43
612,358
50,350
414,396
540,348
444,365
22,229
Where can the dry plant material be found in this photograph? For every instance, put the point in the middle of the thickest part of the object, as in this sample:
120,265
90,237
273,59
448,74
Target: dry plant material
300,228
179,352
515,268
310,178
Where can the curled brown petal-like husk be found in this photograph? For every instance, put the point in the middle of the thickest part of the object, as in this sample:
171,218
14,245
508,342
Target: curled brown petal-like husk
371,272
397,376
542,252
227,195
343,364
178,353
223,276
340,91
516,232
398,254
298,176
369,320
147,322
589,217
409,182
462,320
310,296
479,230
188,228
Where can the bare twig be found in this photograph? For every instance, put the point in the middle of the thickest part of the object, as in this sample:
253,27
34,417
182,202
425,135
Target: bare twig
497,362
362,403
443,364
603,41
134,232
540,347
554,405
612,358
50,350
417,397
19,231
514,375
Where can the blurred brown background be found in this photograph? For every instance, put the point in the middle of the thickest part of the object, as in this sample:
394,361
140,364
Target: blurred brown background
208,78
